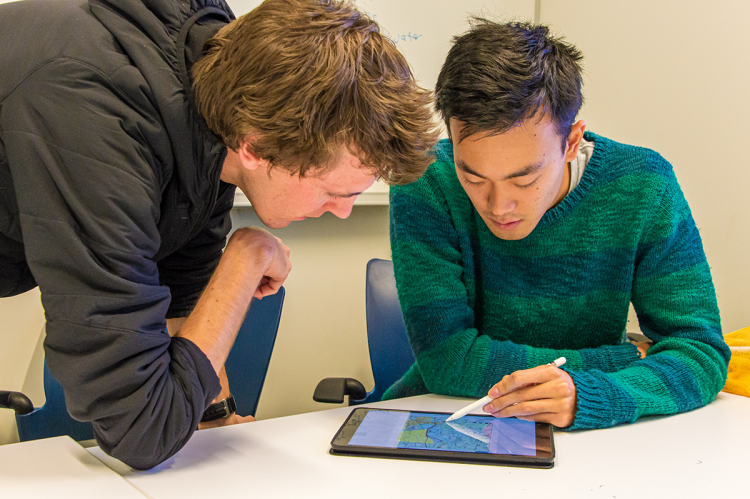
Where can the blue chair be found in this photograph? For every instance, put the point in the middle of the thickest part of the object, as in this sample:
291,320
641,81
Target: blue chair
52,419
248,361
246,369
390,352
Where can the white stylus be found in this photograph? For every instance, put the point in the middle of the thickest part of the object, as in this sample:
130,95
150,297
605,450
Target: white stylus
486,400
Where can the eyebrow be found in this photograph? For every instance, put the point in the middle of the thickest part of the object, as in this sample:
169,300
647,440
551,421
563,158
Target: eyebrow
526,170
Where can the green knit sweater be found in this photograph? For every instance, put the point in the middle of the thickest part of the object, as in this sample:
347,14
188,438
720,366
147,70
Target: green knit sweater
478,307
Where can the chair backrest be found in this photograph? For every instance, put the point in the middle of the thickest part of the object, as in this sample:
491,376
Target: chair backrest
246,369
390,352
247,363
52,419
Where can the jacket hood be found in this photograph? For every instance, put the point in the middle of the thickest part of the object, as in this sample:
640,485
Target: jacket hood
155,35
150,30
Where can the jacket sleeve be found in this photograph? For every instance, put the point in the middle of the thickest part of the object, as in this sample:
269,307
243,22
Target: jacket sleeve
187,271
673,295
453,356
84,156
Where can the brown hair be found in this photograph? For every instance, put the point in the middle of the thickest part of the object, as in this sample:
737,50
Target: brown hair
300,79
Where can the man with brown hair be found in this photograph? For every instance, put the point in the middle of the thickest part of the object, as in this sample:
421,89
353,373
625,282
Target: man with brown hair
124,130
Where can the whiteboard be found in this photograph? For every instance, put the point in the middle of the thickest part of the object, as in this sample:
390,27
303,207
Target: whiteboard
422,29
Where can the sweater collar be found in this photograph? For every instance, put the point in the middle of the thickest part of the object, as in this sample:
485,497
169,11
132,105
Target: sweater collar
588,180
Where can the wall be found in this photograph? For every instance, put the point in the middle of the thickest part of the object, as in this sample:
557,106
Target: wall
21,326
422,29
672,75
322,331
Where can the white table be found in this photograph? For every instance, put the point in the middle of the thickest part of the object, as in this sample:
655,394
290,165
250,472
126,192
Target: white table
698,454
58,468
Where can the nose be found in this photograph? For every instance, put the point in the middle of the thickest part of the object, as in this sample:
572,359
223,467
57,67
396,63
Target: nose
341,207
500,202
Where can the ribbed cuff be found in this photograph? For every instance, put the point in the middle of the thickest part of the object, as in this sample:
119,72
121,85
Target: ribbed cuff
600,403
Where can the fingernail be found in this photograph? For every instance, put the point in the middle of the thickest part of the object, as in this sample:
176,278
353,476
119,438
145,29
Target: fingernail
494,392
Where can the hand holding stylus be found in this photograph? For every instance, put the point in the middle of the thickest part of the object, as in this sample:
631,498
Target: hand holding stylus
545,394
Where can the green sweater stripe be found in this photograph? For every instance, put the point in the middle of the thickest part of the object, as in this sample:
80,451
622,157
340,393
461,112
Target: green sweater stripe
644,385
428,294
477,307
459,353
602,310
684,311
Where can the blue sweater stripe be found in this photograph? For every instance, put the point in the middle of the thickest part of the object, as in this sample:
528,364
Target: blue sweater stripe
655,259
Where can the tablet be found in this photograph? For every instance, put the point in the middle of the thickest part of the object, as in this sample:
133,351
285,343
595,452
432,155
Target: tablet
428,436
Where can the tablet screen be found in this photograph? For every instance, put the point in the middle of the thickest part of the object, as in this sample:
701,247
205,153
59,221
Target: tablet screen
431,431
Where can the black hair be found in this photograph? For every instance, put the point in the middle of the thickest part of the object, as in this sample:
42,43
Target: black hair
498,75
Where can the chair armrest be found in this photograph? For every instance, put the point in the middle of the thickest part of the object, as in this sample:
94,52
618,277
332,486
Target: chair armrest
333,390
16,401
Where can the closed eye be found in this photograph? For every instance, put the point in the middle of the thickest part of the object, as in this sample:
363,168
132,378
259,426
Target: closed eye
526,186
333,195
465,179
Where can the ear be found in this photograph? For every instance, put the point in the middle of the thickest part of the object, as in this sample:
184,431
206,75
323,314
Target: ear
248,158
574,140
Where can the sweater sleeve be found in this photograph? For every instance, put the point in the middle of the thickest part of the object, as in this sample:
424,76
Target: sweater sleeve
674,297
84,156
453,357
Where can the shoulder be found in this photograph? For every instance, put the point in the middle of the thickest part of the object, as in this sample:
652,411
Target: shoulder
635,182
626,172
617,160
90,44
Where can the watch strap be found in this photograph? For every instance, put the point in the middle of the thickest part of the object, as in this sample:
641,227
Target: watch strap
221,409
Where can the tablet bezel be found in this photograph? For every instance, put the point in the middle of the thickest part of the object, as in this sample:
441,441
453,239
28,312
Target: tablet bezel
544,441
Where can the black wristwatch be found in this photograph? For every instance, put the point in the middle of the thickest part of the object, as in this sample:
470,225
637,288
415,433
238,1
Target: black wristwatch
219,410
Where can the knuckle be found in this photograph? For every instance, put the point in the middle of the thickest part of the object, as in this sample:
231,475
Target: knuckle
525,408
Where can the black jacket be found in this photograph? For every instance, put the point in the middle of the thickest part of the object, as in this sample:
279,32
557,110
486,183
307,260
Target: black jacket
111,202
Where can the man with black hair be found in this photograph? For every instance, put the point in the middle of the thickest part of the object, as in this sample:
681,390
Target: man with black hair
528,238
